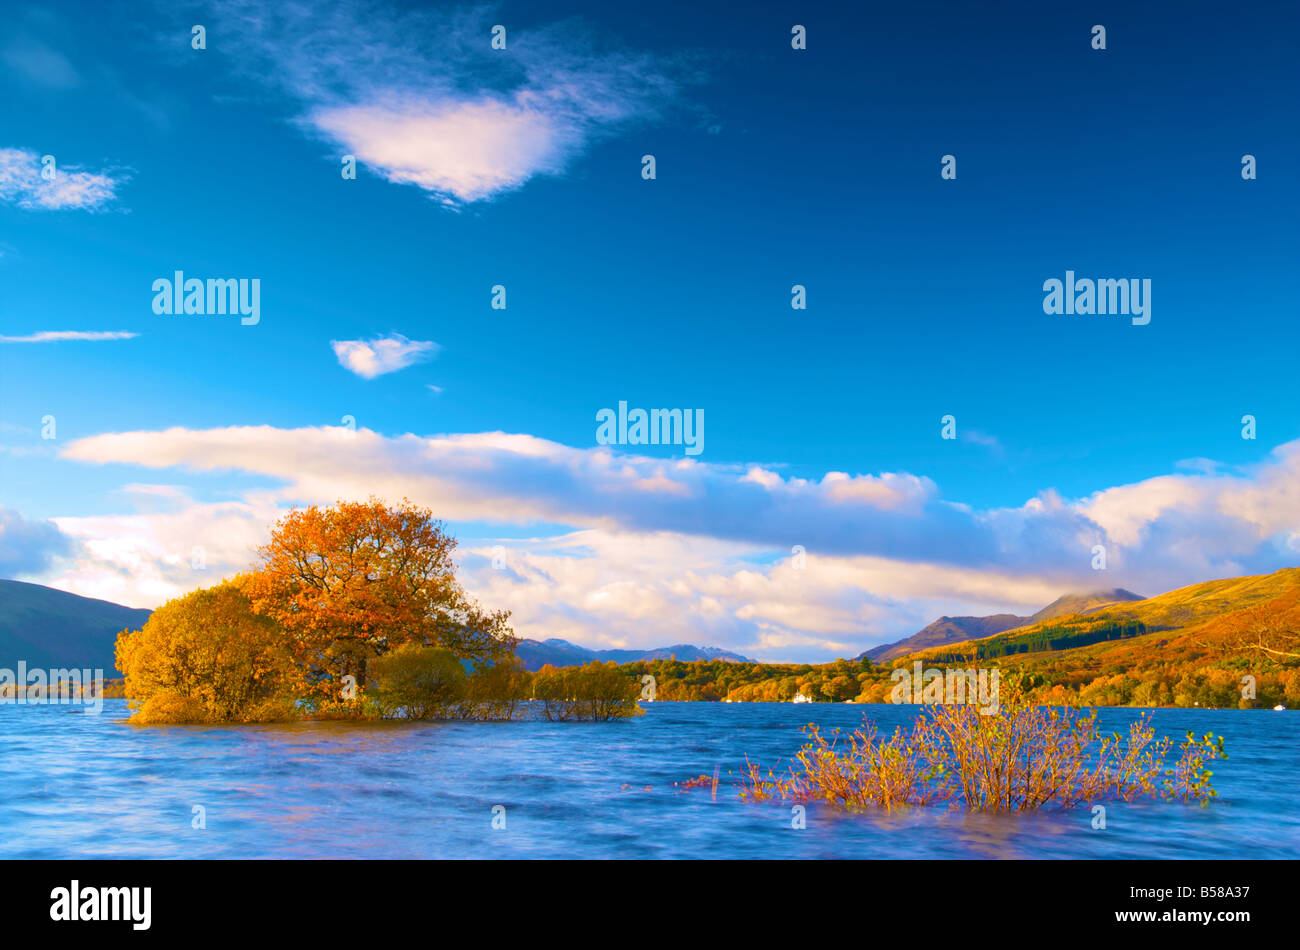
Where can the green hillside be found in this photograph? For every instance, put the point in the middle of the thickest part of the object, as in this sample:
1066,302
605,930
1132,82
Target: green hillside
52,629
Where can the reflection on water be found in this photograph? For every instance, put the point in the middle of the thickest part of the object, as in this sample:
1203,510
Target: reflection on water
73,785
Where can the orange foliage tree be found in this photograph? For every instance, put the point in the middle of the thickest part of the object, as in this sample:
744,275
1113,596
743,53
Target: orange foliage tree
351,581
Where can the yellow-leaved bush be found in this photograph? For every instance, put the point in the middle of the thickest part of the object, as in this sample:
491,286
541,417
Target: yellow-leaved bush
207,657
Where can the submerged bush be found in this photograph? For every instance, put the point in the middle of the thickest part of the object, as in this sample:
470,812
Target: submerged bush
169,706
417,682
206,657
414,682
597,691
495,690
1021,757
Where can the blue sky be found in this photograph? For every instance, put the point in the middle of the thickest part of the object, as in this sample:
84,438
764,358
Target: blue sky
522,167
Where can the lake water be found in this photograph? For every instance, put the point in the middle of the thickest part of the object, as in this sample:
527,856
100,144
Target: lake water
75,785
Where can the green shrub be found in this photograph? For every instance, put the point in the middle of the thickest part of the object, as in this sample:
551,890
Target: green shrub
495,690
597,691
417,682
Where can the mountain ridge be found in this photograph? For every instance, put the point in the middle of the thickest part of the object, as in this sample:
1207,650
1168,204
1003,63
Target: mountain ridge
50,628
1177,626
947,630
537,653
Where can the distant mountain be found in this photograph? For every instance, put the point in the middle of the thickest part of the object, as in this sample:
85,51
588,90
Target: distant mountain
538,653
947,630
943,631
1179,628
52,629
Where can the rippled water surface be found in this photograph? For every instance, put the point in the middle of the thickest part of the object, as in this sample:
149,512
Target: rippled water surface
76,785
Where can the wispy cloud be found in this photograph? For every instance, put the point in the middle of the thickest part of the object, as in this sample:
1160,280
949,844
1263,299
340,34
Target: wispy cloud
39,64
59,336
990,442
423,99
71,188
385,354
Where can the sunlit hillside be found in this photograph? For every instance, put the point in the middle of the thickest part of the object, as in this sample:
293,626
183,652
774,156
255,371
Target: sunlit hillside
1184,609
1194,644
1225,643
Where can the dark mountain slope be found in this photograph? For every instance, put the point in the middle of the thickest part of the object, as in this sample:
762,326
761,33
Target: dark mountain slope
52,629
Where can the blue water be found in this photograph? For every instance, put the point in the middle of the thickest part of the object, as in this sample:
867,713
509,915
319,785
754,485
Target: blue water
76,785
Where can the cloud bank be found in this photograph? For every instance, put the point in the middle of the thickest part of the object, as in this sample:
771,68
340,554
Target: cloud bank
648,547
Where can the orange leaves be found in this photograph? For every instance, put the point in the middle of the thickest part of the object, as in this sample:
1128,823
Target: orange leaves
338,588
352,580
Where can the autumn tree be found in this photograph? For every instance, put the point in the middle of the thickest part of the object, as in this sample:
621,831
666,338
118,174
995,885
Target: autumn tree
207,657
840,689
353,580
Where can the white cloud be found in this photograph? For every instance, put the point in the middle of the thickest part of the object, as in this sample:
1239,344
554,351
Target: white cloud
659,550
464,150
171,546
58,336
71,188
894,527
421,98
385,354
631,589
519,478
